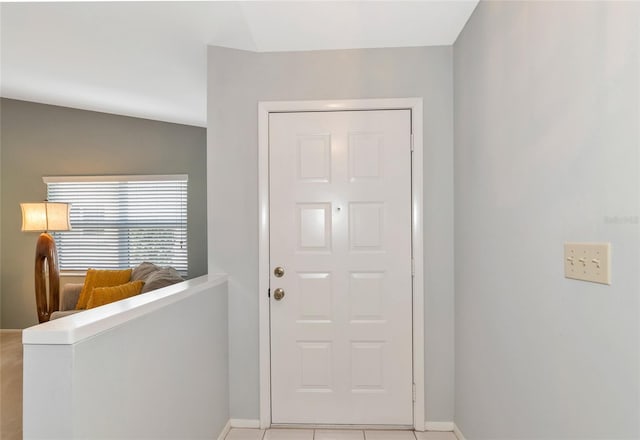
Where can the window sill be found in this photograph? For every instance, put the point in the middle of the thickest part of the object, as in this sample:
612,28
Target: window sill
73,273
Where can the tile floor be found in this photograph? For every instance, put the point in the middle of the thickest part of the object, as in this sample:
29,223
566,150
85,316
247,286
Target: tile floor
330,434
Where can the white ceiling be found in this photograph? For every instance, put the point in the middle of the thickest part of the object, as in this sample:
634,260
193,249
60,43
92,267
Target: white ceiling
148,59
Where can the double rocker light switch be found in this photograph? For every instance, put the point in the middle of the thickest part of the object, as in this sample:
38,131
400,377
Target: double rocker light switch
588,262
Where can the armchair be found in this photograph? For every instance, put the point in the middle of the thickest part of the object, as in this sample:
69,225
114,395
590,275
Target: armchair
153,276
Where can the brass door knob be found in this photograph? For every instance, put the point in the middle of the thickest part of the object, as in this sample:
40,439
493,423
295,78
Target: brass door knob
278,272
278,294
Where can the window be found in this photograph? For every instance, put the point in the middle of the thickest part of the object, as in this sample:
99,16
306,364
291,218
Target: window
121,221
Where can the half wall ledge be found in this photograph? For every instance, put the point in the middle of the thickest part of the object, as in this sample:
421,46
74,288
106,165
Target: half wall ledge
80,326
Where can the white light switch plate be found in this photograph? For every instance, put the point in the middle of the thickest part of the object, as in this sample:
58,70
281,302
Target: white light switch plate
588,262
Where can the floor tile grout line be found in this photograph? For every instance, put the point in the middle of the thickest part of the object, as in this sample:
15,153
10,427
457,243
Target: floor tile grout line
263,434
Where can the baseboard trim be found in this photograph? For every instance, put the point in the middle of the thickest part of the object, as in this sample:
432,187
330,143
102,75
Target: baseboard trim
245,423
225,430
438,426
457,432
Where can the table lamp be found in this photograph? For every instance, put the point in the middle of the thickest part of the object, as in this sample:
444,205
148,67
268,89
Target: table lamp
44,217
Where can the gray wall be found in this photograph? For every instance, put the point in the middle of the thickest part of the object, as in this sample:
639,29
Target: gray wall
40,140
237,81
546,151
1,222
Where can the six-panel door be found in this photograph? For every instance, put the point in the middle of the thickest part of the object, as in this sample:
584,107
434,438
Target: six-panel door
340,227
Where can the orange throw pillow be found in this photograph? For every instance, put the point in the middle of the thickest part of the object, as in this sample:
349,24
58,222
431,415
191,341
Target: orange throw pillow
105,295
101,278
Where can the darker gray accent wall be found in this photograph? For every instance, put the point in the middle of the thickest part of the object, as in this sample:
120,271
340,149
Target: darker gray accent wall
39,140
237,81
547,128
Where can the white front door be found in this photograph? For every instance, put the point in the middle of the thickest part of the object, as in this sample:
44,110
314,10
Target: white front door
340,229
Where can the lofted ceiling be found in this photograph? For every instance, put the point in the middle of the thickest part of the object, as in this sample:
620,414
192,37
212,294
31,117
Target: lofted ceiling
148,59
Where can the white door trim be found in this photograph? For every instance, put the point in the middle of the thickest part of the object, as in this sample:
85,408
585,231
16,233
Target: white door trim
417,237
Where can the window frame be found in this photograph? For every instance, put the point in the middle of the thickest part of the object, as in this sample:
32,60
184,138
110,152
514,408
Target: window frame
97,179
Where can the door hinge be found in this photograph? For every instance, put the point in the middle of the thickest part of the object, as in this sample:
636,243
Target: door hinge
414,392
411,141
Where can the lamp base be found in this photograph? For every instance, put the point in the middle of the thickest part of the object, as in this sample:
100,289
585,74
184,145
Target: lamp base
46,254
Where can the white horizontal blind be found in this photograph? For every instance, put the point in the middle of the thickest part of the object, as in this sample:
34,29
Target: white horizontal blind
121,221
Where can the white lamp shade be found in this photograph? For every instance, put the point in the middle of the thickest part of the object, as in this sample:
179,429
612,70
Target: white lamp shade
45,216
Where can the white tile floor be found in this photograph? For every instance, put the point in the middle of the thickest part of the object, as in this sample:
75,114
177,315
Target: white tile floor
329,434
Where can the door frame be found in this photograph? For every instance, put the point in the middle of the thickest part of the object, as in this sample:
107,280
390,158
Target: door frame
417,235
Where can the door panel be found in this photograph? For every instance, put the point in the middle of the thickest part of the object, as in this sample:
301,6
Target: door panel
340,226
